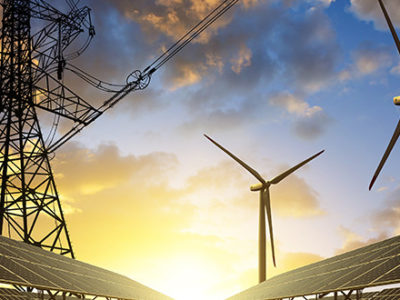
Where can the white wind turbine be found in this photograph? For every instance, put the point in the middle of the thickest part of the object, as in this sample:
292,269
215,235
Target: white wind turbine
396,101
263,187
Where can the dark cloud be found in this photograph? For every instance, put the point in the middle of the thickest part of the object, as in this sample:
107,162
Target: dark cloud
308,48
302,50
216,76
313,126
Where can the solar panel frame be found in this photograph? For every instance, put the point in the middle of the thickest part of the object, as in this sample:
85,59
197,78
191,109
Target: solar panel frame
373,265
30,266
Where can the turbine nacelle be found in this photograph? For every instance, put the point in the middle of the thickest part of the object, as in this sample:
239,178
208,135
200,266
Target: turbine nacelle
260,186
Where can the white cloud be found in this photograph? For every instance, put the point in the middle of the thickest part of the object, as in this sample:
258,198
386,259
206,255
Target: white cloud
369,10
367,59
310,121
395,70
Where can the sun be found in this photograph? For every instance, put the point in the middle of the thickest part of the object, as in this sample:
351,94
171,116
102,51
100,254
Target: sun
190,276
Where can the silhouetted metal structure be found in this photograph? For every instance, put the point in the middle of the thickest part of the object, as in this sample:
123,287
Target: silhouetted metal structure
31,77
30,207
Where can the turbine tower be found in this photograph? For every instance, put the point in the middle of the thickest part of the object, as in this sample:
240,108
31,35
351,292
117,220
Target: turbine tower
396,133
265,203
32,67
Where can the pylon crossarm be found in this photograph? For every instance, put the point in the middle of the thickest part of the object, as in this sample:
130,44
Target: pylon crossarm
49,45
92,116
53,96
45,11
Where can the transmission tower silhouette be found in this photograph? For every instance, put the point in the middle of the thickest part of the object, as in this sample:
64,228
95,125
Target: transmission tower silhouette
31,79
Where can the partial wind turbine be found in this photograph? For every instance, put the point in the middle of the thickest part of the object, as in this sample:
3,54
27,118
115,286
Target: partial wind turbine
263,187
396,101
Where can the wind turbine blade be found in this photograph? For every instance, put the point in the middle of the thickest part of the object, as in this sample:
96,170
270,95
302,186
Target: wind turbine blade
269,216
386,154
389,22
278,178
242,163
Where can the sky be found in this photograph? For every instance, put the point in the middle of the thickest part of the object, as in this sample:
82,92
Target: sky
146,195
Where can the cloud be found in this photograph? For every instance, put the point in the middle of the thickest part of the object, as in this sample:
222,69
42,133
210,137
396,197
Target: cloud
369,10
389,216
354,241
261,45
293,104
172,18
310,122
211,115
369,59
242,60
104,168
310,65
395,70
293,197
244,51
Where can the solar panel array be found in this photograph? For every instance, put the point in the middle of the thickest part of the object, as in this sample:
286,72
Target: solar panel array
12,294
9,294
26,265
388,294
373,265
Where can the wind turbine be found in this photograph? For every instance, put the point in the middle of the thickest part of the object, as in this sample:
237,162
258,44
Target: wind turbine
396,101
263,187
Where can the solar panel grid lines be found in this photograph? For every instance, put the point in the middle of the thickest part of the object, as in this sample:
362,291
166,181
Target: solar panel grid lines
46,272
391,276
368,276
7,275
27,265
387,294
8,294
385,268
12,294
58,266
373,265
390,292
355,273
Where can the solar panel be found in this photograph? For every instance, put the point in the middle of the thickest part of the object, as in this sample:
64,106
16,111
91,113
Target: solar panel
29,266
12,294
9,294
373,265
387,294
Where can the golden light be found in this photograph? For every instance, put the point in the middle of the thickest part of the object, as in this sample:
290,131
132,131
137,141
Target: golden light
189,276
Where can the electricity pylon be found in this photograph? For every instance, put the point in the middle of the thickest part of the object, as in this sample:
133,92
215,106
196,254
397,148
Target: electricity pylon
32,67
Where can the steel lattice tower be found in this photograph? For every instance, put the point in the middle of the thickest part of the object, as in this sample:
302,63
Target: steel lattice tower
31,78
29,203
